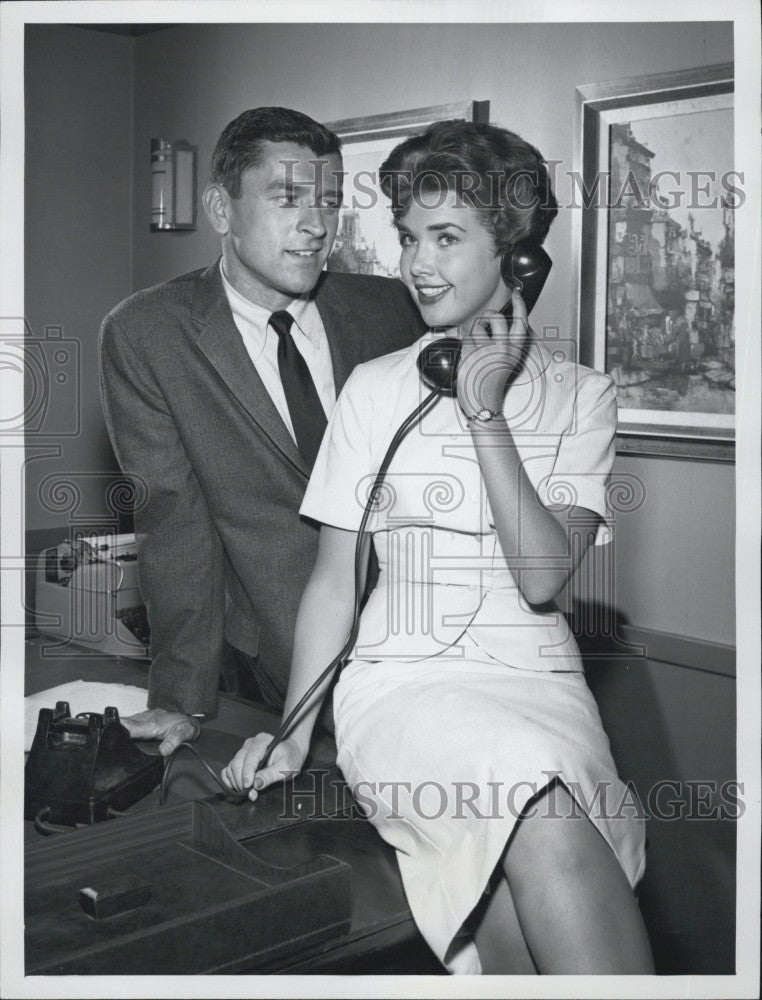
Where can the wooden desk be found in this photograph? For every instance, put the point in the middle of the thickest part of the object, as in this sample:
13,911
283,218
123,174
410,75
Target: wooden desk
382,937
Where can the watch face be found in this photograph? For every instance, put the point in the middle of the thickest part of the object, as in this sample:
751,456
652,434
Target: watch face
485,415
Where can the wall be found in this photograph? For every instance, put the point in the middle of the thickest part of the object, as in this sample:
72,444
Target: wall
669,724
78,238
191,80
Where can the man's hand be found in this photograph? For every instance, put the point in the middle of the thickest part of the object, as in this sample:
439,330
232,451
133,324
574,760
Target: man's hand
172,728
242,774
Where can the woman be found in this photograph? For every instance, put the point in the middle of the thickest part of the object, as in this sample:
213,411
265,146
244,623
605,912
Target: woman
463,721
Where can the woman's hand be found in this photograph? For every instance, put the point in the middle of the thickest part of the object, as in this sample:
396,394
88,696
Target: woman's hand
491,354
242,774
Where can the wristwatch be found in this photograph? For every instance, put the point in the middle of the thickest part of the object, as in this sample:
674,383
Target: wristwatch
484,416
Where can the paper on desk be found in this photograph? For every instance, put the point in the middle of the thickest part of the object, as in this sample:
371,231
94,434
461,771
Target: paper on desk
83,696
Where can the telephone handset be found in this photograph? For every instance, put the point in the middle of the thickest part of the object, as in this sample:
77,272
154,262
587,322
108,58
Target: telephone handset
526,268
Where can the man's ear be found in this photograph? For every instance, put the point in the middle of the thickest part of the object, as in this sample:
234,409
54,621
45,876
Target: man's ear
216,201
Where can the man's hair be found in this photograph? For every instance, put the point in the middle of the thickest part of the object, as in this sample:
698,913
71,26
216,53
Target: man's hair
489,168
240,145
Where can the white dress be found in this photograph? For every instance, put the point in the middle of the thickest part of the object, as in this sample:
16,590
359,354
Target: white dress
461,702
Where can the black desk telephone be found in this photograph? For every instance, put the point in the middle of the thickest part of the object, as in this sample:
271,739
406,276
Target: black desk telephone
80,769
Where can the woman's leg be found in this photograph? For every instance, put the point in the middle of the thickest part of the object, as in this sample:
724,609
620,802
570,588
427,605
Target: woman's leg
498,936
575,906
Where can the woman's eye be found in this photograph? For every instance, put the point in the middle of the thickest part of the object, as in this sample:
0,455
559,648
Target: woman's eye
447,239
406,240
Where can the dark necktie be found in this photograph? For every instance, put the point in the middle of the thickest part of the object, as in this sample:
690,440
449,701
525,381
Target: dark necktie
304,406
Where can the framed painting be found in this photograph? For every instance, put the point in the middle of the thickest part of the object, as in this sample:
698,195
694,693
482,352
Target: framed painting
366,242
655,181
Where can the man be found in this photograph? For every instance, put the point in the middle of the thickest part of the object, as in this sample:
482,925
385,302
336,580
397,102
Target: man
216,386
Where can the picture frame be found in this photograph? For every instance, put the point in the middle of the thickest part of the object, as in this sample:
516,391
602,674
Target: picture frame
366,242
654,179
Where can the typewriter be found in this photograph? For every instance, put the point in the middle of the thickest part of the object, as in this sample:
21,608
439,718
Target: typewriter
87,594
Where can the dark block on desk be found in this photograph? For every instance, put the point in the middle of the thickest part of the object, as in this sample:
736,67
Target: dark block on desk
81,768
213,906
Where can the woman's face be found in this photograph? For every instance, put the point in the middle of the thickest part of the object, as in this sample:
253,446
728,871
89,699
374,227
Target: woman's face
449,262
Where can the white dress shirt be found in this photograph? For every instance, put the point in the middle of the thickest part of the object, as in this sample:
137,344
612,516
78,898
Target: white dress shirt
261,343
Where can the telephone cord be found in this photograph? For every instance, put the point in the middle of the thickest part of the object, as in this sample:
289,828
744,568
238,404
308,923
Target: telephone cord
340,658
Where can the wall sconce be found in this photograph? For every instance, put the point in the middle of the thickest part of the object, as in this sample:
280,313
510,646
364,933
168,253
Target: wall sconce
173,174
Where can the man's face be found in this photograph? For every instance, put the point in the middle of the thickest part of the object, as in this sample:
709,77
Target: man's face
280,230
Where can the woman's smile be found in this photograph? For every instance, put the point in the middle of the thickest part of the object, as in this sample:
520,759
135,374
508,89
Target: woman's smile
449,263
429,294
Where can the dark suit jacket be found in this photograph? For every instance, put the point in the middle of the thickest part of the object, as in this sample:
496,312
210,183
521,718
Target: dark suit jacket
223,553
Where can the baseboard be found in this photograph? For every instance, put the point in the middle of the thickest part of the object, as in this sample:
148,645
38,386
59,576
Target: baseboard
682,650
635,642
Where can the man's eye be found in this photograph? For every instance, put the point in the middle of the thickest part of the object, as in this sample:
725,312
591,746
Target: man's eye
287,201
329,204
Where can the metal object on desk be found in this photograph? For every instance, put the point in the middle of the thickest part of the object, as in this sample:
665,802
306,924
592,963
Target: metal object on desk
86,593
209,903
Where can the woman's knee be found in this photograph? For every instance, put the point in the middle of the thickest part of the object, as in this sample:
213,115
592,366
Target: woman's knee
553,838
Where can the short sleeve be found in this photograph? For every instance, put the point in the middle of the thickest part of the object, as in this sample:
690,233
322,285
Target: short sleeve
344,466
586,452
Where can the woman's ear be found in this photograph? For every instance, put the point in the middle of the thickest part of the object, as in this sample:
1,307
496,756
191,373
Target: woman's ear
507,269
216,201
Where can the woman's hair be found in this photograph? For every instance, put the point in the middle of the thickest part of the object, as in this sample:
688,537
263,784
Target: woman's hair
240,144
489,168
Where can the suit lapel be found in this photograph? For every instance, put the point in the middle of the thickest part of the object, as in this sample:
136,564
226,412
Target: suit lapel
343,325
221,343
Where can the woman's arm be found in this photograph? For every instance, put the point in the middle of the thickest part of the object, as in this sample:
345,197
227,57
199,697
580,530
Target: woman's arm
528,531
555,539
322,628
